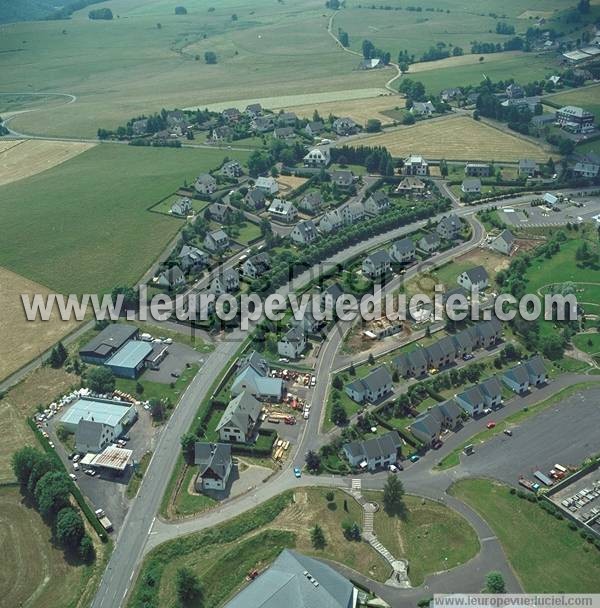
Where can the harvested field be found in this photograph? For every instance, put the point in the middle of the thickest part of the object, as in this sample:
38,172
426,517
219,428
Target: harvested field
535,14
288,183
25,157
453,62
359,110
455,138
24,340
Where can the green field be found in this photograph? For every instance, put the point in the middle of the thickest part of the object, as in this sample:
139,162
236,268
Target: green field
588,343
586,97
547,556
86,222
272,50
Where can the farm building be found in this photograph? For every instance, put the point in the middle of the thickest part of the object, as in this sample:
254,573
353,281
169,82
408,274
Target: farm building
129,361
115,414
107,343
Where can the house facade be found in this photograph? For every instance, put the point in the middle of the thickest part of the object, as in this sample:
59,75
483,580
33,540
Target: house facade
375,453
377,264
214,464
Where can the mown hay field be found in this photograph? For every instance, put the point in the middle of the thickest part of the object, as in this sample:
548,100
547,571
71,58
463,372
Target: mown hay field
456,138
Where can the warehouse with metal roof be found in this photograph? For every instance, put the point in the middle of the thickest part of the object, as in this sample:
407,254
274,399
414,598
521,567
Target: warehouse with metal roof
116,414
128,361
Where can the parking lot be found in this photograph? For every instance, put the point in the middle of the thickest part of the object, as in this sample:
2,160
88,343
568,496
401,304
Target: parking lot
526,216
582,497
178,356
565,433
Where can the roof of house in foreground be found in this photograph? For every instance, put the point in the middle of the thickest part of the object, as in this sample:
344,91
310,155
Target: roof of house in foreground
296,581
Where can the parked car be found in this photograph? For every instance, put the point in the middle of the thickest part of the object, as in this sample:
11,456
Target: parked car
508,432
490,425
72,455
414,458
468,356
99,513
76,458
297,472
393,468
75,466
73,477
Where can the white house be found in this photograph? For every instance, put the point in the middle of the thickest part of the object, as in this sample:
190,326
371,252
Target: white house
227,281
377,264
214,465
317,157
374,453
311,202
504,243
216,241
268,185
471,185
282,211
304,232
422,108
372,388
332,220
239,419
377,203
403,251
416,165
292,343
474,278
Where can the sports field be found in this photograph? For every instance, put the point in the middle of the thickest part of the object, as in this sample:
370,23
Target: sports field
22,158
359,110
456,138
84,226
271,50
586,97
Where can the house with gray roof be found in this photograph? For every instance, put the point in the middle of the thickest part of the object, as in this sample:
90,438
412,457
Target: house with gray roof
231,114
449,227
374,453
377,264
474,278
253,110
171,278
314,128
232,169
219,212
296,581
426,428
311,202
293,343
93,436
377,203
504,243
517,379
536,369
205,184
429,242
256,265
527,168
371,388
477,169
342,178
472,400
216,241
471,185
214,465
331,295
344,126
256,362
239,420
182,207
227,281
191,258
282,211
464,343
492,392
103,346
286,119
317,157
284,133
268,185
412,364
403,251
441,353
255,199
587,167
352,212
422,108
411,185
304,232
257,383
332,220
262,124
487,333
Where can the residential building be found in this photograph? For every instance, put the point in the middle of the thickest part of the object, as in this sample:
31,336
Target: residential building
103,346
205,184
232,169
403,251
478,170
311,202
450,94
262,124
311,322
314,128
219,212
486,333
192,259
411,365
342,178
371,64
422,108
374,453
92,436
292,344
256,265
129,361
171,278
332,220
286,119
227,281
304,232
464,343
317,157
284,133
296,581
268,185
140,126
491,389
256,362
504,243
575,119
255,199
536,369
474,278
449,227
587,167
472,400
117,415
231,114
344,126
353,212
527,168
377,203
372,388
252,379
515,91
410,185
216,241
221,133
471,185
182,207
517,379
416,165
214,465
331,295
282,211
440,354
253,110
429,242
429,425
377,264
239,420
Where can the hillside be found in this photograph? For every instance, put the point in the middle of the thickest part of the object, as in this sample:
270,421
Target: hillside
35,10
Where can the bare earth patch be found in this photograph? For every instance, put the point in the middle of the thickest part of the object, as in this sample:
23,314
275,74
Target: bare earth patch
455,138
23,158
453,62
23,340
288,183
359,110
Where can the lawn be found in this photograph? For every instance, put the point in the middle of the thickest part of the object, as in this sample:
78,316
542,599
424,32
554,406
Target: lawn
35,572
589,343
547,556
245,233
430,536
192,340
455,138
273,51
186,503
89,215
165,205
586,97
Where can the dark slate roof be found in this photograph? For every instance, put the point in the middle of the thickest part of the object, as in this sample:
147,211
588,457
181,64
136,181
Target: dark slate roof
88,432
111,338
536,366
487,329
491,387
379,257
296,581
426,423
472,395
380,446
477,274
449,408
518,374
313,198
242,412
430,238
295,334
256,195
335,291
506,236
464,339
404,245
417,358
377,378
255,361
213,456
446,345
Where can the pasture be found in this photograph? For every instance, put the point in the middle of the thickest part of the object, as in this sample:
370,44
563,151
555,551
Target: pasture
360,110
586,97
87,221
455,138
270,51
22,340
21,158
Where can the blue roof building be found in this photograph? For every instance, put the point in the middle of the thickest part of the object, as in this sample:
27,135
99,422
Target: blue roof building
115,414
128,361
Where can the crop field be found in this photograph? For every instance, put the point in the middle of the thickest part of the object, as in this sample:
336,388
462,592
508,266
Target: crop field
360,110
23,158
90,215
456,138
586,97
270,51
23,340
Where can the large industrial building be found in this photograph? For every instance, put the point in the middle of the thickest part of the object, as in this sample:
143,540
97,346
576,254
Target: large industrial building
129,360
103,346
114,414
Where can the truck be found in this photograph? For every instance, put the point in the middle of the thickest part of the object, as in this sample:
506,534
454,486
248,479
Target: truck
106,524
543,478
560,468
534,487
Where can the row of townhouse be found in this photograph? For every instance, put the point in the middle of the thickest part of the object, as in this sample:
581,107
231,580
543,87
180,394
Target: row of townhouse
372,388
374,453
444,352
